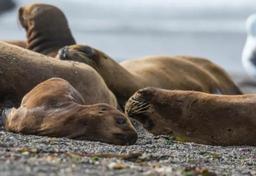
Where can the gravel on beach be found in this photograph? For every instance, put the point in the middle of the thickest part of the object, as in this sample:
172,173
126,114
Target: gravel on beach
151,155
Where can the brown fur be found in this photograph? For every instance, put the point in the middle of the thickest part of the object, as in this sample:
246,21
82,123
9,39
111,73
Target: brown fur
46,27
55,108
184,73
196,116
20,43
21,70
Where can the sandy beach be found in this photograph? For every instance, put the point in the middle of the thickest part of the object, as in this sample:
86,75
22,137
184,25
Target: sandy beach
214,30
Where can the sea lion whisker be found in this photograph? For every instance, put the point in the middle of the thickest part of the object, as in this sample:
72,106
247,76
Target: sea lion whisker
134,109
140,108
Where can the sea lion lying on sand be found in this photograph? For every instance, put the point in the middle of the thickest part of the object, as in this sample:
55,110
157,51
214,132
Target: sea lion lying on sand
183,73
55,108
196,116
21,70
46,27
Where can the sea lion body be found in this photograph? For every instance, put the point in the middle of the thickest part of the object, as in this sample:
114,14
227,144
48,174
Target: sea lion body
46,27
55,108
21,70
184,73
196,116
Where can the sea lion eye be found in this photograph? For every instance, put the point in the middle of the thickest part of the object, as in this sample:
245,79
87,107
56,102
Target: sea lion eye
88,51
120,120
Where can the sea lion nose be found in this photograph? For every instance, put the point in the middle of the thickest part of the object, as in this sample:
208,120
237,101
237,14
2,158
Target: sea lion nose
132,138
63,53
128,139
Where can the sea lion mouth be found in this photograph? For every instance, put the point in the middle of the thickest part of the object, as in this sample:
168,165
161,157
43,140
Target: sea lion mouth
126,139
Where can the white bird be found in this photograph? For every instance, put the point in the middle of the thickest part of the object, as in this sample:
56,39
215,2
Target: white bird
249,51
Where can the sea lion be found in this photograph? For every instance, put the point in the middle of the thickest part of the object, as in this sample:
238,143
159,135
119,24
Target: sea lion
184,73
21,70
196,116
46,27
55,108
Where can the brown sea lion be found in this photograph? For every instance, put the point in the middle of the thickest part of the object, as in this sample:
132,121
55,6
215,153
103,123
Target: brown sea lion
46,27
21,70
183,73
54,108
196,116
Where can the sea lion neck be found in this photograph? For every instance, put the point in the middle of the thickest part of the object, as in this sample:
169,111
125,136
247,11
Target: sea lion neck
118,78
47,40
47,28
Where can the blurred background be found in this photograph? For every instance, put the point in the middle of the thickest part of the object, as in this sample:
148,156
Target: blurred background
133,28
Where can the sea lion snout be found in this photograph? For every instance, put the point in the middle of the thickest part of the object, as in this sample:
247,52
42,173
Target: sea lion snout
127,139
125,133
140,101
139,107
63,53
84,54
111,125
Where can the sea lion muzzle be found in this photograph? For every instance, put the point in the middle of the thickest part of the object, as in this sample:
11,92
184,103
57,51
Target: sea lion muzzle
138,107
127,139
63,53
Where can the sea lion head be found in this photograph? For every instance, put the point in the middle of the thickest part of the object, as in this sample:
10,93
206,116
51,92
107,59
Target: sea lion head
85,54
101,122
45,24
145,107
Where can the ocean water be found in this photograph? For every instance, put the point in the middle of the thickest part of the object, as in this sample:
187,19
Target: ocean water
135,28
